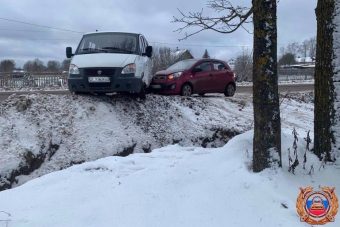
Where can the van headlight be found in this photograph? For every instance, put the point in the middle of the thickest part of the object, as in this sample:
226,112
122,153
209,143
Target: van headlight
74,69
130,68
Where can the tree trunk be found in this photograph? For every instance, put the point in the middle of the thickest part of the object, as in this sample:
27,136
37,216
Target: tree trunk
335,116
267,131
324,87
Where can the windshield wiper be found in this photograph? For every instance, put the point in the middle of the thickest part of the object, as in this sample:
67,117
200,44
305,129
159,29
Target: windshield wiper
91,50
117,49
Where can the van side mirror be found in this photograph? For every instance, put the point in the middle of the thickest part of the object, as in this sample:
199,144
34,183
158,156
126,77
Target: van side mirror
69,52
148,51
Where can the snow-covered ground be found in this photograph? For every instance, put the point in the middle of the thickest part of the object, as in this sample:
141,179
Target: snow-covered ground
171,186
40,134
183,184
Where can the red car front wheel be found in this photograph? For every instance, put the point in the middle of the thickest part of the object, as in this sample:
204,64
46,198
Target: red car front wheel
186,90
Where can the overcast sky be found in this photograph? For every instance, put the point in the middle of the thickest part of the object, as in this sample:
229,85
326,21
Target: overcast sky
21,42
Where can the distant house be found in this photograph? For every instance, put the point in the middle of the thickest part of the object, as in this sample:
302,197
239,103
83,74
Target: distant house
180,55
302,63
305,60
231,63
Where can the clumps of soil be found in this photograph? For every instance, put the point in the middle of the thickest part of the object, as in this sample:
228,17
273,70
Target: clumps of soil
126,151
30,162
23,103
219,138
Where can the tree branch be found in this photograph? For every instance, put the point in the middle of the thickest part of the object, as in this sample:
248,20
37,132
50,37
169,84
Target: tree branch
233,19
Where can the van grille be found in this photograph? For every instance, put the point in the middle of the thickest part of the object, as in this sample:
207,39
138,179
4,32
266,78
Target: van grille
99,71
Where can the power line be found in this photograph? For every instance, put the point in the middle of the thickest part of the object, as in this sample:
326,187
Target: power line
53,39
200,45
23,30
38,25
68,30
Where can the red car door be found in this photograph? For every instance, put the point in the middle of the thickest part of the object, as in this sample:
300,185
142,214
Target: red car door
202,77
221,76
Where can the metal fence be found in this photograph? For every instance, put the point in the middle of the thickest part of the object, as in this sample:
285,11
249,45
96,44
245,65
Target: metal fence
32,80
58,80
294,74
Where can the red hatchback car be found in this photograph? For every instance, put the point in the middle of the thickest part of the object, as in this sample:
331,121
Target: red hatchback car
195,76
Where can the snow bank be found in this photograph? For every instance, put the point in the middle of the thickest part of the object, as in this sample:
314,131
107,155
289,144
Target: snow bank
40,134
172,186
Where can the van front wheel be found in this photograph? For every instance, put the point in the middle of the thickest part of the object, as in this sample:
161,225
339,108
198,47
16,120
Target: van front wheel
142,93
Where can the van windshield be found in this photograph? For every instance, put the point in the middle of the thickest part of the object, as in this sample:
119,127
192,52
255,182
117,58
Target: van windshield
108,43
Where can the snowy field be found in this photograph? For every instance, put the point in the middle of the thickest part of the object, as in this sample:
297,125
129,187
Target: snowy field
183,184
171,186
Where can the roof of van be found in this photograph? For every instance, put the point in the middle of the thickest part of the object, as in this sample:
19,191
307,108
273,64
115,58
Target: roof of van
90,33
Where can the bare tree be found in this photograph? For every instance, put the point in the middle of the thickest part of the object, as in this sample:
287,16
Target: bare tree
267,123
230,19
34,66
244,66
303,49
312,47
53,66
325,112
293,48
65,65
162,58
7,65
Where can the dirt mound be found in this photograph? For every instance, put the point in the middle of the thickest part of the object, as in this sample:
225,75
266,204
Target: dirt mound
44,133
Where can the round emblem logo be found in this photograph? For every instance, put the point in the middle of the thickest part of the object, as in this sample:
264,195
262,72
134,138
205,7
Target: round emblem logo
317,207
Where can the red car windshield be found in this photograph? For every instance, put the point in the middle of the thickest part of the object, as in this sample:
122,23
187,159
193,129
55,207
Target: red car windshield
182,65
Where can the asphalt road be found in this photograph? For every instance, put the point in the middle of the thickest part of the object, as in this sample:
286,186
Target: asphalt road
240,89
284,88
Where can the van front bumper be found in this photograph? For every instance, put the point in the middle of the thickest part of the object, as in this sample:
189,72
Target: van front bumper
116,83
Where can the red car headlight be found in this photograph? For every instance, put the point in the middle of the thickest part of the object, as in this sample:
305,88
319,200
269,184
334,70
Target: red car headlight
174,75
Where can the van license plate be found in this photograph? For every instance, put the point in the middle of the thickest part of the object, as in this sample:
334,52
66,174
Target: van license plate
99,79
